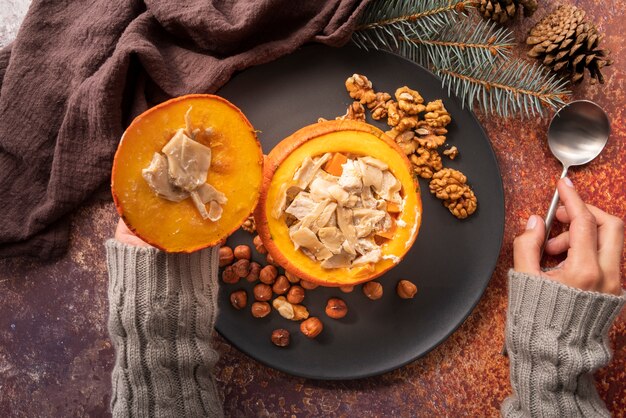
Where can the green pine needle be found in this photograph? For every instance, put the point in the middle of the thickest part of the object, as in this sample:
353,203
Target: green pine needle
383,21
516,87
472,57
476,41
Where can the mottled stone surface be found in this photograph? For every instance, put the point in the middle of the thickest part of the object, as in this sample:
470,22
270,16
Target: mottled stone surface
55,356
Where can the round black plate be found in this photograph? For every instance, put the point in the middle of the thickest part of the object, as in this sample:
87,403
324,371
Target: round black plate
451,262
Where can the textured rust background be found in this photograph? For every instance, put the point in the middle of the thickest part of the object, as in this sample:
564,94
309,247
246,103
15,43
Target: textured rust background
56,358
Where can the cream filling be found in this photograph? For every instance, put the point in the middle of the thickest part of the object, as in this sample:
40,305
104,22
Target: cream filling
334,219
180,171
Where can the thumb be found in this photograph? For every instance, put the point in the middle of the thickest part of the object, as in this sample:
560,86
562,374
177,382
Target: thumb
527,247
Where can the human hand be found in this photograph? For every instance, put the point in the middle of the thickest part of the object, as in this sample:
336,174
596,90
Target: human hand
126,236
594,244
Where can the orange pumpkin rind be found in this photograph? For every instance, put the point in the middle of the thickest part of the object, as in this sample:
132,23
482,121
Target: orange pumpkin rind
236,170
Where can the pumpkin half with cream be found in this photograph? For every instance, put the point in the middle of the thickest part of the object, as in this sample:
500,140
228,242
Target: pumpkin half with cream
187,173
339,204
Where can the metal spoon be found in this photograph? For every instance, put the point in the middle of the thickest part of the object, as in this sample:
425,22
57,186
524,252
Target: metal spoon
578,132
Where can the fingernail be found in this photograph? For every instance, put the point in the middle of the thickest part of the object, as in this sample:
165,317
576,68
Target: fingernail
532,222
568,182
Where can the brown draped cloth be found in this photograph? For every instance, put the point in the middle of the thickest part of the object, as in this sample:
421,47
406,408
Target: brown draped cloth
79,71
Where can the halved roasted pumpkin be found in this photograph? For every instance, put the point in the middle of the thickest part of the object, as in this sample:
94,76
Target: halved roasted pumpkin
332,147
235,165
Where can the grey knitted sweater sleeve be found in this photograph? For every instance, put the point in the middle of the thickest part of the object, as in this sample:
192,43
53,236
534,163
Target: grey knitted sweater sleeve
162,310
556,337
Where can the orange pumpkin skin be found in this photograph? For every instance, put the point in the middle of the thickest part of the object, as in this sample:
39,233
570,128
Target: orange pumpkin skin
236,170
349,137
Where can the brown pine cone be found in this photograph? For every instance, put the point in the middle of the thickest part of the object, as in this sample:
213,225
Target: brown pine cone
501,11
567,43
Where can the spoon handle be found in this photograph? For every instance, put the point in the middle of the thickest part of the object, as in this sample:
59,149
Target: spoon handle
552,211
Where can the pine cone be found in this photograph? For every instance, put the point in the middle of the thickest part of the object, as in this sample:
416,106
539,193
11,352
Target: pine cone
567,43
501,11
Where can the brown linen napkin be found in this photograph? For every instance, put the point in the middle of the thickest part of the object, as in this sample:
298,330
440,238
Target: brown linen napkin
79,71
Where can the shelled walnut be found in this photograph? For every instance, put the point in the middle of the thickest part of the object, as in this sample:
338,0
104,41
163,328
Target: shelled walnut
360,88
451,152
437,116
249,225
355,111
451,186
410,101
426,162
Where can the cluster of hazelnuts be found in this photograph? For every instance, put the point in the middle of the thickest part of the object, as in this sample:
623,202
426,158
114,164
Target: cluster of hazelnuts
288,289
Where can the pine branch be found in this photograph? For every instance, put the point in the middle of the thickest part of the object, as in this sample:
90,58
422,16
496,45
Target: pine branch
473,40
383,20
515,87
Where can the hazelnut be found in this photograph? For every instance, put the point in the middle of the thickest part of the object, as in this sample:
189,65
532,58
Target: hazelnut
281,285
225,256
258,244
260,309
373,290
270,260
280,337
262,292
239,299
255,270
295,294
406,289
300,312
311,327
308,285
284,308
229,276
346,289
242,252
292,277
268,274
336,308
241,267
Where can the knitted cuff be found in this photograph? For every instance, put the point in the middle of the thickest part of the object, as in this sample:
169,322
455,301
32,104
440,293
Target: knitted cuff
162,309
554,305
556,336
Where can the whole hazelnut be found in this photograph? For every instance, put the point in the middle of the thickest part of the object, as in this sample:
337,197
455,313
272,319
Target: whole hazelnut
406,289
280,337
292,277
346,289
336,308
281,285
268,274
373,290
229,276
311,327
295,294
258,244
260,309
308,285
226,256
242,252
239,299
241,267
255,270
262,292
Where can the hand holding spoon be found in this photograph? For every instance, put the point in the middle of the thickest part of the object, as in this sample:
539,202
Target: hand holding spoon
578,132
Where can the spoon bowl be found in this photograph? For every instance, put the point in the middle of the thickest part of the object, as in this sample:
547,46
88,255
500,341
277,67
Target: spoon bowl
577,134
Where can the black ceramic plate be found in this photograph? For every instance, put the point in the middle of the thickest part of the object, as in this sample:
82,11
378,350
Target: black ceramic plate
451,261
